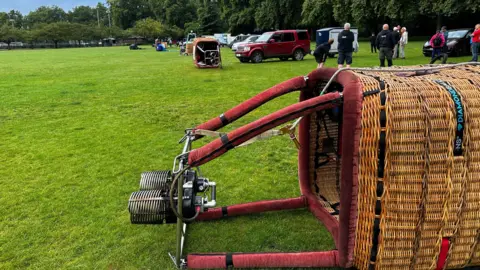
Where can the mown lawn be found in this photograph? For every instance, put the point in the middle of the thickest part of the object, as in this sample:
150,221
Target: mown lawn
78,126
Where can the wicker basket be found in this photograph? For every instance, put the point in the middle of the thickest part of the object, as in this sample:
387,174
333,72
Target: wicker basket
418,158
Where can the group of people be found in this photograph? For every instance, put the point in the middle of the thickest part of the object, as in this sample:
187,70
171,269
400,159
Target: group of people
400,40
346,38
390,44
439,44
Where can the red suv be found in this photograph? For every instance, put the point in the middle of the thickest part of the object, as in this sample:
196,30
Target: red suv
282,44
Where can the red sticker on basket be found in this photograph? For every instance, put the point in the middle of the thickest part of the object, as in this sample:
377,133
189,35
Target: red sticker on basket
459,110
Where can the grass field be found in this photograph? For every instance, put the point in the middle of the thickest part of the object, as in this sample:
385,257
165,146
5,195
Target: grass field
78,126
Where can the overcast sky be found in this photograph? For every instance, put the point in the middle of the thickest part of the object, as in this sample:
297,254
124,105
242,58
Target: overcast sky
25,6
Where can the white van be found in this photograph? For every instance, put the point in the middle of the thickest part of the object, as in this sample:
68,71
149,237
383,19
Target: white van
323,35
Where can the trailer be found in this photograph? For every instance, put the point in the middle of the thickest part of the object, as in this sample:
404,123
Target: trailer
324,34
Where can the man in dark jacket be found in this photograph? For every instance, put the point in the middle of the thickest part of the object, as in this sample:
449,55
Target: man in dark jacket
345,46
373,40
385,43
321,52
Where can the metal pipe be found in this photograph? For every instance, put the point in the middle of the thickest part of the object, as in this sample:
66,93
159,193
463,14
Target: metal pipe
181,226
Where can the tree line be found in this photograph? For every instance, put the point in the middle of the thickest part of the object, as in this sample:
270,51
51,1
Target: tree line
172,18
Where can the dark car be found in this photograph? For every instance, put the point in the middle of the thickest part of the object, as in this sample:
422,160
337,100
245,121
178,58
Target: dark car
283,44
458,43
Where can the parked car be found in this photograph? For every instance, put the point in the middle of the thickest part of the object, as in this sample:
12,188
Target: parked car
238,38
282,44
458,43
250,39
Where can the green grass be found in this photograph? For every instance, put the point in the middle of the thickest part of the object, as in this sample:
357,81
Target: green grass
78,126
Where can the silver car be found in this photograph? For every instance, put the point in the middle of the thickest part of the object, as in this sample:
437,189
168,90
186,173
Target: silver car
250,39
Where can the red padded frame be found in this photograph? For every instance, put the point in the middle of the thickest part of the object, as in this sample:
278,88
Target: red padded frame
343,231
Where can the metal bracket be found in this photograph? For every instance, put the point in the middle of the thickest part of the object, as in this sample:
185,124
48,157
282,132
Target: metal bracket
183,263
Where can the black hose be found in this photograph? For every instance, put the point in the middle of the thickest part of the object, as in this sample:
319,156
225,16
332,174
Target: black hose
172,205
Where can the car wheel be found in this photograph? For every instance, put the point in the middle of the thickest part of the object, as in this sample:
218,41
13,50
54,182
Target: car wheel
298,55
244,60
257,57
283,58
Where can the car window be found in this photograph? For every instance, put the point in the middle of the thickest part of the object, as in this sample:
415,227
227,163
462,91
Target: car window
457,33
288,37
302,35
265,37
277,37
252,39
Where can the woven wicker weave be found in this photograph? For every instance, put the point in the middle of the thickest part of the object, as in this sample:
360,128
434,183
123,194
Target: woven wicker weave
425,190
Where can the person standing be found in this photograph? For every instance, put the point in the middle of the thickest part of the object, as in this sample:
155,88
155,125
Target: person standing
475,43
373,46
385,43
396,36
345,46
444,53
321,52
403,42
437,42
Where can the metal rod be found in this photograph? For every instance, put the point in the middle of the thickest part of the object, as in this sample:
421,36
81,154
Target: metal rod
181,226
178,255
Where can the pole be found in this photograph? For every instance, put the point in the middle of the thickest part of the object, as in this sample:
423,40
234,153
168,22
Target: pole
109,19
98,18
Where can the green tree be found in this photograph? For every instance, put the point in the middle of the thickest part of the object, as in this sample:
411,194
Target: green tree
46,14
278,14
113,32
192,26
103,15
239,16
56,32
209,18
126,12
83,15
446,8
3,18
9,34
17,18
174,32
149,28
32,36
317,13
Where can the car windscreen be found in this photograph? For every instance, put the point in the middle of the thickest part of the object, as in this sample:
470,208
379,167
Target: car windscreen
264,37
253,39
457,33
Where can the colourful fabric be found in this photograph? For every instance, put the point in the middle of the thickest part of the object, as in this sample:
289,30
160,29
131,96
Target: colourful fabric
442,257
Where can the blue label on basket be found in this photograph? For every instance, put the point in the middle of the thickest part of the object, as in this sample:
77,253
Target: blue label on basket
457,101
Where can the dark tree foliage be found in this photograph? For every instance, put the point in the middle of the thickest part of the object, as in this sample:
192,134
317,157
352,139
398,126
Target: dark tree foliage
173,18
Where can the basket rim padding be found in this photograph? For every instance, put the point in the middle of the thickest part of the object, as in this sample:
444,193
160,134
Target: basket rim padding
343,231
